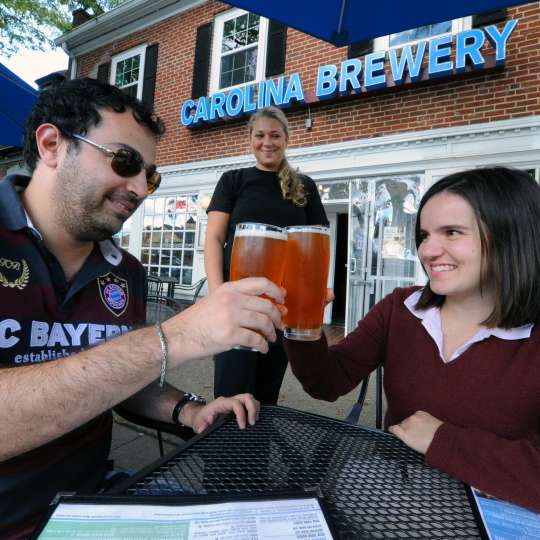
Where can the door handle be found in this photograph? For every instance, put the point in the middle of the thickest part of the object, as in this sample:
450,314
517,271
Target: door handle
353,266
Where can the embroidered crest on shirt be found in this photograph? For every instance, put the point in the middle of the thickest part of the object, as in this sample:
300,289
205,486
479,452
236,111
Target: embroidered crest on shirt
114,293
14,274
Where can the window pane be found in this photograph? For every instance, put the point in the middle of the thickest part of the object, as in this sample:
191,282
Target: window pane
158,221
149,207
227,63
228,44
169,218
165,258
251,65
241,39
241,22
190,239
127,71
188,257
130,90
225,79
186,276
238,76
253,20
422,32
228,28
253,35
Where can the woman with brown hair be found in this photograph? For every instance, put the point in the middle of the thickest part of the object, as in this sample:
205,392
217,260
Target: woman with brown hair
461,355
271,192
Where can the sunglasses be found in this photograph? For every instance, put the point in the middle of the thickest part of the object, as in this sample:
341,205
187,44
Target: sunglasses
126,163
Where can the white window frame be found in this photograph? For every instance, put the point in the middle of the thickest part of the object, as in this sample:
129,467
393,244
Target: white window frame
139,50
217,39
458,25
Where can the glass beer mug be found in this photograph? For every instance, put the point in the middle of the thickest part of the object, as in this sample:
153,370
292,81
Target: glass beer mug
258,251
306,274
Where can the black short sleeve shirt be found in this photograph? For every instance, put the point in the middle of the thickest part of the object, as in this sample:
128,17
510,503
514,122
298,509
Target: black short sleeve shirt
254,195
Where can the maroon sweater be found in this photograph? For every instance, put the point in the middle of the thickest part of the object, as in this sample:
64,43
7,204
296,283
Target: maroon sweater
488,397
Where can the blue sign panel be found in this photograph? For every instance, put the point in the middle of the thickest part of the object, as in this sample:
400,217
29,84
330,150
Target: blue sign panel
442,55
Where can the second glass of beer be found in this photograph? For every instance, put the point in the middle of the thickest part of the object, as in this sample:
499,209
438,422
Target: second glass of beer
306,274
258,251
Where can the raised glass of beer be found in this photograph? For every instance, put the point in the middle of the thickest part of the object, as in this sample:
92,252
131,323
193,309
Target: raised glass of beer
258,251
306,274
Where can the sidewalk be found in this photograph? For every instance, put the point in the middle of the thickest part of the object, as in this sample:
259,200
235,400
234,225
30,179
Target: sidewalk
134,447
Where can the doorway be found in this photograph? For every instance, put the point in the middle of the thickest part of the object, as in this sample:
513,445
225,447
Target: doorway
382,251
340,269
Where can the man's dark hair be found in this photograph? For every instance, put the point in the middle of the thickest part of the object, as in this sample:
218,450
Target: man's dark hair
73,107
506,203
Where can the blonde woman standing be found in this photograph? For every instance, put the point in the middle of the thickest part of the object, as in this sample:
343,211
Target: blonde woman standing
270,192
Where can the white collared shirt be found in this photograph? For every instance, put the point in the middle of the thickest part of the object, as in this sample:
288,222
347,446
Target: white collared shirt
431,321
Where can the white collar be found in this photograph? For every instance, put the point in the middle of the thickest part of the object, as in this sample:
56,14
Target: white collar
431,320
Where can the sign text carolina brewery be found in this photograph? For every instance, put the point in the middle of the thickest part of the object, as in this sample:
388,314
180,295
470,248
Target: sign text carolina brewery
353,76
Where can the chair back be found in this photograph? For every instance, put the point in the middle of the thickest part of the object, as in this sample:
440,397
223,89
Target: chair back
155,286
354,414
189,293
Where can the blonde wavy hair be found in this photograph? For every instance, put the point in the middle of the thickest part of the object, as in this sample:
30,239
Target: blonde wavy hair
292,187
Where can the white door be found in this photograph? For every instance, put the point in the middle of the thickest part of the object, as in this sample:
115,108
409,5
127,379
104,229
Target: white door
382,252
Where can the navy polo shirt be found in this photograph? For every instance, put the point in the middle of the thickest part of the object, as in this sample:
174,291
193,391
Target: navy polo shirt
45,318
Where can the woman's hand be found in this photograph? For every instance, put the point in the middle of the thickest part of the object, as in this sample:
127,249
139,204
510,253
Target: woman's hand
329,296
417,431
200,417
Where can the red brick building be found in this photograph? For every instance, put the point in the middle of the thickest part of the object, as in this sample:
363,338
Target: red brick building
372,152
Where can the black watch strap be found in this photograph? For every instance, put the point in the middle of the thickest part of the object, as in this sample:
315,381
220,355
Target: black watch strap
186,398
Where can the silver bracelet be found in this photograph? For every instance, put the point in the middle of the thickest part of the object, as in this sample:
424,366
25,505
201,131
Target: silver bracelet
164,354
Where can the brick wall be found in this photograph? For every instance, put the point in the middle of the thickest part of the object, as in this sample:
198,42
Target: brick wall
511,93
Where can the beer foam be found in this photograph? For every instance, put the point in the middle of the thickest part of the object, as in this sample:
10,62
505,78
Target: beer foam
307,228
276,235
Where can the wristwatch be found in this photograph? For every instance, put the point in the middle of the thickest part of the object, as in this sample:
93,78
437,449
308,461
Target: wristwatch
186,398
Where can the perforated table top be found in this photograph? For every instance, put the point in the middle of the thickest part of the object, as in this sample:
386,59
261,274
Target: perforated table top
373,485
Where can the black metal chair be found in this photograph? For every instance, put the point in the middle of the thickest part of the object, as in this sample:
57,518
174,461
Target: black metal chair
155,286
158,309
188,293
354,414
161,427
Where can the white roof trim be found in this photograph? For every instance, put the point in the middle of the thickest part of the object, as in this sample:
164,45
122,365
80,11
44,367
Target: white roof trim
461,147
122,21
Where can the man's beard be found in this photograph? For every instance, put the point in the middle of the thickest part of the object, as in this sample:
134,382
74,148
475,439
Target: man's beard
81,207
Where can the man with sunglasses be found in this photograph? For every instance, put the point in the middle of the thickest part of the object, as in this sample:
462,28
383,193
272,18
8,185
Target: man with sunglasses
66,290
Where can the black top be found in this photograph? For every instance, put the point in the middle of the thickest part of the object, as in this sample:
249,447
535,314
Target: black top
255,195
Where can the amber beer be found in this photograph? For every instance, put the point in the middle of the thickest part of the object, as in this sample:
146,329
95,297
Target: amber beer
258,251
306,274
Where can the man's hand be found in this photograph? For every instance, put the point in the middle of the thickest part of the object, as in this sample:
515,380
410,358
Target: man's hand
200,417
417,431
233,314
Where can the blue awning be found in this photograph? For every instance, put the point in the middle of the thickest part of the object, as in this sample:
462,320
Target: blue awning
342,22
16,100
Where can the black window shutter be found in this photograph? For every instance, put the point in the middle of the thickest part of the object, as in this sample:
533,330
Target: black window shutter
276,49
360,48
150,69
103,72
488,17
201,66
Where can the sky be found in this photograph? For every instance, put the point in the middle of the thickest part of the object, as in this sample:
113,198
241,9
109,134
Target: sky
31,65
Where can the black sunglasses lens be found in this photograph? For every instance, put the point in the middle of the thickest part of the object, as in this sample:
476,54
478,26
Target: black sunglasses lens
126,163
153,179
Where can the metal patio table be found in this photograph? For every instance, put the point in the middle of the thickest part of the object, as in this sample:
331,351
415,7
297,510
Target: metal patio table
373,485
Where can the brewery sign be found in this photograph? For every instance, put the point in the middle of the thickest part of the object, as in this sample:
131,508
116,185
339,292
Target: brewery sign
427,59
